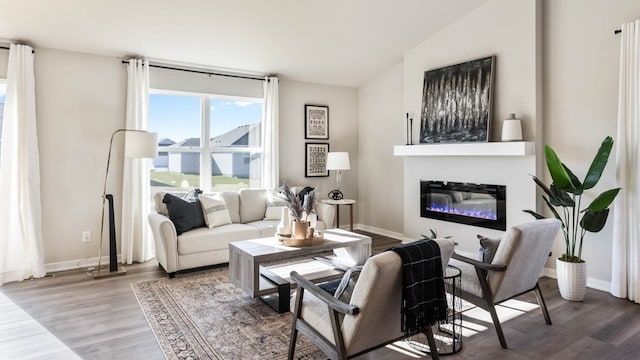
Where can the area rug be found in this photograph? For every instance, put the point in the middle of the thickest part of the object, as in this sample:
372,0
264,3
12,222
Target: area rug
204,316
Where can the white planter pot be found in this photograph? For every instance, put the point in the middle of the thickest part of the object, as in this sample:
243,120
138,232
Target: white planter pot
572,280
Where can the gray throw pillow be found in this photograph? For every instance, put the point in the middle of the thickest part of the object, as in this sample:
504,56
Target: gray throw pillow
347,284
488,248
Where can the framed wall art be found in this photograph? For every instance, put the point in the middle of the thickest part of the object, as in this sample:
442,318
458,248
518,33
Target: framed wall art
316,122
457,102
316,160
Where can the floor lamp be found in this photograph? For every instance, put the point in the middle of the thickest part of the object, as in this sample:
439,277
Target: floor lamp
138,144
338,161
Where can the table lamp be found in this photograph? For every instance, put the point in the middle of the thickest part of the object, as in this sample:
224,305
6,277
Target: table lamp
337,161
138,144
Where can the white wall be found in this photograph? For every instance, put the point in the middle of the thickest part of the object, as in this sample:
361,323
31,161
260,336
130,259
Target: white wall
380,185
506,29
343,136
581,55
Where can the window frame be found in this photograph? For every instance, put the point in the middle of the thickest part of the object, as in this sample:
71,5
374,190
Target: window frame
205,149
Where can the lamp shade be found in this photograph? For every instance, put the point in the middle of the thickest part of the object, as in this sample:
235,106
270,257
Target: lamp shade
512,129
338,160
141,144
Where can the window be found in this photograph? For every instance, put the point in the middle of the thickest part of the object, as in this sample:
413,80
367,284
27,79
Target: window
205,134
3,95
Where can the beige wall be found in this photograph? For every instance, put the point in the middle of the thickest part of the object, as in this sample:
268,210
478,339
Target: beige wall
343,136
381,126
80,101
581,55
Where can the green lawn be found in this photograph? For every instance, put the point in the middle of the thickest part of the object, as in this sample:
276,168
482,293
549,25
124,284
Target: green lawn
168,178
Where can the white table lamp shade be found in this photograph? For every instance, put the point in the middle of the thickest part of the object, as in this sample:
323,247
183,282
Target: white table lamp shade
141,144
511,129
338,160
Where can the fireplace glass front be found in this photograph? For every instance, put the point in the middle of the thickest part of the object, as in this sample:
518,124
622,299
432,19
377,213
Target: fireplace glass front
481,205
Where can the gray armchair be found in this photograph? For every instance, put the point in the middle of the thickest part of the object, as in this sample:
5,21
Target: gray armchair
515,269
370,320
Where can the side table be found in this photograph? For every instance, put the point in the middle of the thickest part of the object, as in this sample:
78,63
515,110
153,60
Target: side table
337,203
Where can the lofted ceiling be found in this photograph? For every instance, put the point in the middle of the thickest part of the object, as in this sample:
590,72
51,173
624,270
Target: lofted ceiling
338,42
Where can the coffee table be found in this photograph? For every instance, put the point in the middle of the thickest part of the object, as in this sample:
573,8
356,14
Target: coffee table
252,268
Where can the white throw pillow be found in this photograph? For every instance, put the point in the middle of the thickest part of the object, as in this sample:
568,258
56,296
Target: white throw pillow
215,210
274,206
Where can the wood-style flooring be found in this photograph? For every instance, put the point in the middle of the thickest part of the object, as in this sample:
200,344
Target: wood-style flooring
101,319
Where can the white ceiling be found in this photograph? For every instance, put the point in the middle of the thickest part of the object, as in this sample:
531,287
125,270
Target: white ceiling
339,42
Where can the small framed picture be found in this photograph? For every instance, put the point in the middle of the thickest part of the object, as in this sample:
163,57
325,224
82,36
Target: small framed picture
316,122
316,160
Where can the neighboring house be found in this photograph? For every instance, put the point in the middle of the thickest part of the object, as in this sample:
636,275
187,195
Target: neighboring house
162,160
184,162
228,157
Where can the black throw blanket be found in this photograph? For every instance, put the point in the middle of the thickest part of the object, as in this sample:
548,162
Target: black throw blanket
424,301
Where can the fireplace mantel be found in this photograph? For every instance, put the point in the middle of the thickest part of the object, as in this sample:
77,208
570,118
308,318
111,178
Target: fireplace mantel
516,148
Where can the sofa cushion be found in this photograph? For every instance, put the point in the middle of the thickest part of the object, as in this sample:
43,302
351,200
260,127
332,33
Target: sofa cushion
275,204
253,204
214,210
218,238
232,199
266,228
185,215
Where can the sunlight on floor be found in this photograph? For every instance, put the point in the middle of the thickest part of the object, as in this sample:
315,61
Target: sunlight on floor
21,337
474,321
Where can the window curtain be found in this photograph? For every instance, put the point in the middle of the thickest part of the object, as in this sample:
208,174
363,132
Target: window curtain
21,246
136,240
270,114
625,262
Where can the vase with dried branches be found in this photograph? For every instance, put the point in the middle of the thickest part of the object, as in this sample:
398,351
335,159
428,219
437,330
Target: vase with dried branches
300,210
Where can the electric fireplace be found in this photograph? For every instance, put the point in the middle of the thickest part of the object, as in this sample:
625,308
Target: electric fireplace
481,205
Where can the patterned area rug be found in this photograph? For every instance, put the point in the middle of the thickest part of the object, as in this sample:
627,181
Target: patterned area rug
204,316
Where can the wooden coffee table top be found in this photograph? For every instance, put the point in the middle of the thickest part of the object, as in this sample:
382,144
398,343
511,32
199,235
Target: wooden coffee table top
267,249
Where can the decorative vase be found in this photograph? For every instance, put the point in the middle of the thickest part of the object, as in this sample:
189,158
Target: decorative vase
284,228
572,279
300,229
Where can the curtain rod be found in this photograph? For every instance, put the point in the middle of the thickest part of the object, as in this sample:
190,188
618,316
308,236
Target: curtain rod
201,72
616,32
33,51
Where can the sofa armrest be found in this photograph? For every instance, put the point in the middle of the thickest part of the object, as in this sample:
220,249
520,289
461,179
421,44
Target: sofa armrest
166,241
326,213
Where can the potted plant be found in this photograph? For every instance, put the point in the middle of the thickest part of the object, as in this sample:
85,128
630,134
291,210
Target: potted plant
300,210
564,198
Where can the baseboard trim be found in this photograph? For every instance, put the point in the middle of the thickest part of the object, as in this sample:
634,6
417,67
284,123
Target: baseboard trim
591,282
88,264
383,232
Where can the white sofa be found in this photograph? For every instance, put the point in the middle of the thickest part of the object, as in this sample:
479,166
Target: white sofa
204,246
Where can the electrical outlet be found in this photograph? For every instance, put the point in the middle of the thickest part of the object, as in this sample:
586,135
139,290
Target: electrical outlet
86,236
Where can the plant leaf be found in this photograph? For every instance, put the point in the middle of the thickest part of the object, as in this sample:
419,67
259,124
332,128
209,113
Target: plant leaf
593,221
557,170
542,185
603,200
577,185
553,210
560,197
534,214
598,164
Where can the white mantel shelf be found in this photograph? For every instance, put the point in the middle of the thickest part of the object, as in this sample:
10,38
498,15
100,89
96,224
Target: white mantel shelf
516,148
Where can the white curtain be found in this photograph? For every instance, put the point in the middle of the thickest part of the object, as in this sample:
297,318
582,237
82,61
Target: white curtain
21,249
625,262
136,240
270,154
